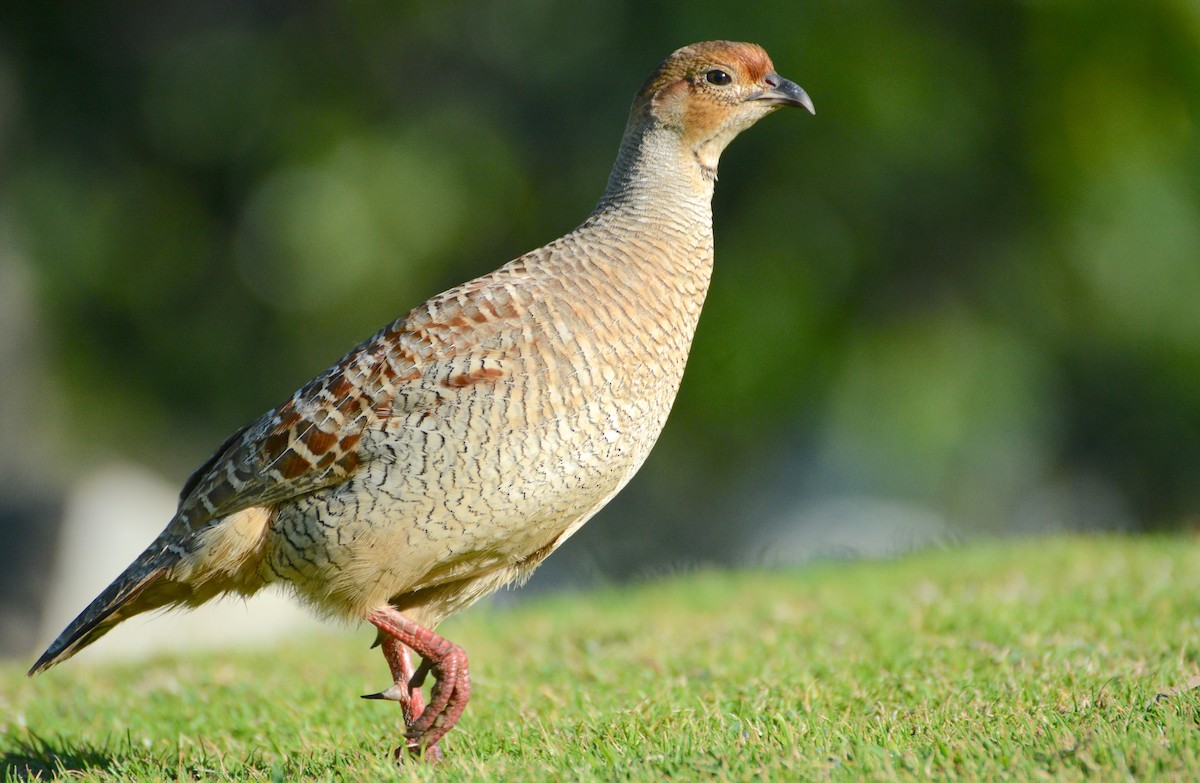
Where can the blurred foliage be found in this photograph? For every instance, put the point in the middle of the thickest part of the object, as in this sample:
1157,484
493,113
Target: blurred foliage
971,283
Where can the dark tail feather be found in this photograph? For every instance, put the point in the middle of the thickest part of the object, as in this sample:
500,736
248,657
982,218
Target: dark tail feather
141,588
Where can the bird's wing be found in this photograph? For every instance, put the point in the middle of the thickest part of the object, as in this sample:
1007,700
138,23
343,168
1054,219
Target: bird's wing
311,441
317,437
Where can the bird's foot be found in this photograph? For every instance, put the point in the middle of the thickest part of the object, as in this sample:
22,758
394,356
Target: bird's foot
426,725
409,697
448,698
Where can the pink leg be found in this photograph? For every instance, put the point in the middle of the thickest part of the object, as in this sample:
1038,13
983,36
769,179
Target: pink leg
408,692
446,660
398,661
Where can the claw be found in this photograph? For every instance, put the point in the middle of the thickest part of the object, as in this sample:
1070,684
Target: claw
392,693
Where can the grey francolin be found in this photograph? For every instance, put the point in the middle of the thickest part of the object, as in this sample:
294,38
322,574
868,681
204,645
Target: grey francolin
454,450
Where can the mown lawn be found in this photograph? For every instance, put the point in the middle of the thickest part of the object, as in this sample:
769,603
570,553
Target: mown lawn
1025,661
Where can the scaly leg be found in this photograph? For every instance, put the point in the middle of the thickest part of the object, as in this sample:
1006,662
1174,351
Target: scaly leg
448,663
406,689
398,661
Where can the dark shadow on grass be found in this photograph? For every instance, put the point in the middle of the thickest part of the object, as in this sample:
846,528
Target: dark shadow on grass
30,757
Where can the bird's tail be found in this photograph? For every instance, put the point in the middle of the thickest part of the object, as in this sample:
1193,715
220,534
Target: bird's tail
142,587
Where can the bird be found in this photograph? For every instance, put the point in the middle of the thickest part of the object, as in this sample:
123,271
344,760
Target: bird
451,452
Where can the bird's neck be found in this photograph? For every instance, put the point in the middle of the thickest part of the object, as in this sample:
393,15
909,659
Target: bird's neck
656,177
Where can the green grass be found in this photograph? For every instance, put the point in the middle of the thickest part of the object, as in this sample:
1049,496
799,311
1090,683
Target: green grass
1035,660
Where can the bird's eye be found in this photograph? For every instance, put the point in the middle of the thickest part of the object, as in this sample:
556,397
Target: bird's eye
718,77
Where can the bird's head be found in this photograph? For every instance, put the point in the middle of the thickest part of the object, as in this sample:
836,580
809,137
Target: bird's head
710,92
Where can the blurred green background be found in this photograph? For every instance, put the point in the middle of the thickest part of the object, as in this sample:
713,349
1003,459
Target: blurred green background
962,300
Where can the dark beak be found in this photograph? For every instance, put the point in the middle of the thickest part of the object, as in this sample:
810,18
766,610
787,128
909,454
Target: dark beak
784,93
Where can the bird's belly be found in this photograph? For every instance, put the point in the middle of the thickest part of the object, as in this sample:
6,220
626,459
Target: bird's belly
441,503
